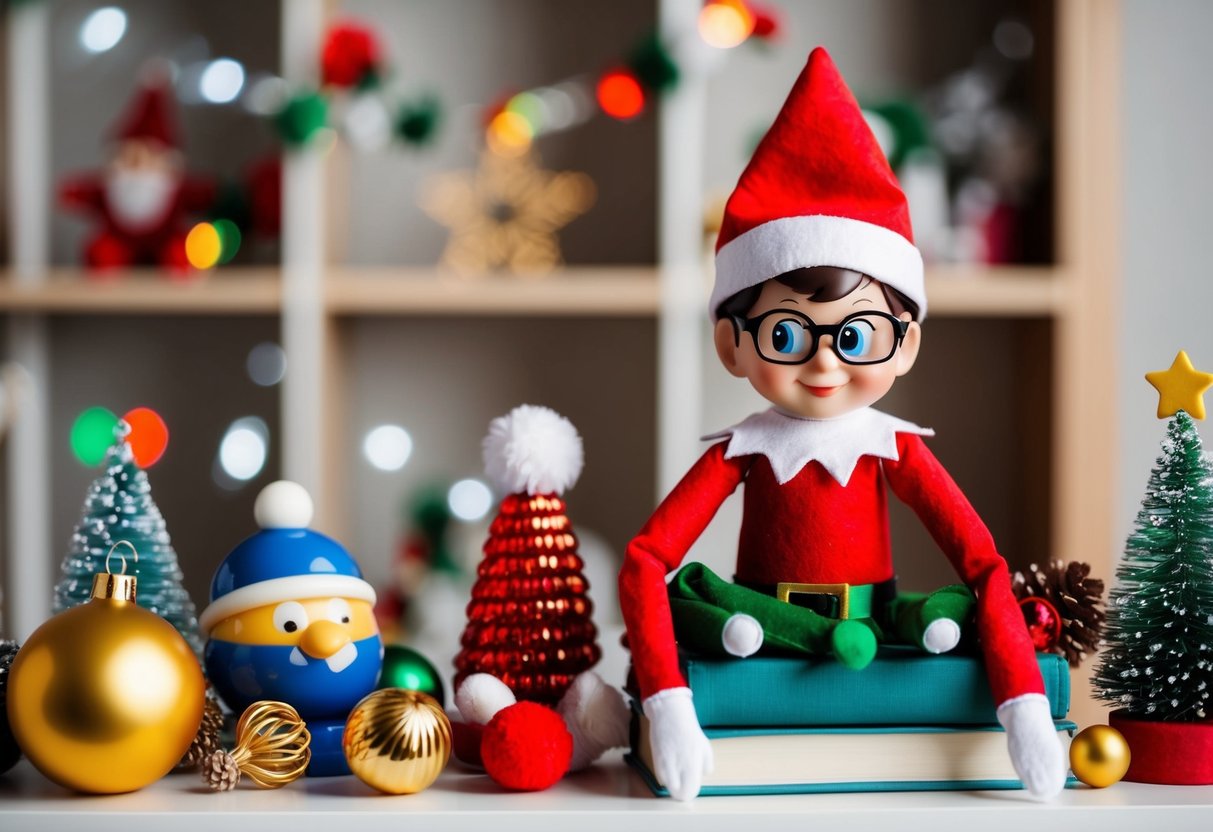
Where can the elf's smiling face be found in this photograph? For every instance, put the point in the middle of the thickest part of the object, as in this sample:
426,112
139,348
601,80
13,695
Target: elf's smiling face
780,328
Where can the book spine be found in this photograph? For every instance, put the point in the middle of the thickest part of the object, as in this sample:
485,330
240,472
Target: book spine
920,691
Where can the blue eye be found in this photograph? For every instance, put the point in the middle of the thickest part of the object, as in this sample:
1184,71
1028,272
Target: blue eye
855,339
788,337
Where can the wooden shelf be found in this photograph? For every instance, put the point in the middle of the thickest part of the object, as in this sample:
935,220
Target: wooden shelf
607,291
624,291
146,292
996,291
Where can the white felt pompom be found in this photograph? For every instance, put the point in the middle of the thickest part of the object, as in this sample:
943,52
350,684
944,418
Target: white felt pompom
534,450
481,696
283,505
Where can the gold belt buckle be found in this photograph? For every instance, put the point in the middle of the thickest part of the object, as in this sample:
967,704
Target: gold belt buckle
784,592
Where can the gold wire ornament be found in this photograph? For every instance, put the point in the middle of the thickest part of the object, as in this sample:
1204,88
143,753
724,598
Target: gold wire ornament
272,749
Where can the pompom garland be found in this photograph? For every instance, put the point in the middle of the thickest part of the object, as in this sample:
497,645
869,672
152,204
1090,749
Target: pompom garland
526,747
533,450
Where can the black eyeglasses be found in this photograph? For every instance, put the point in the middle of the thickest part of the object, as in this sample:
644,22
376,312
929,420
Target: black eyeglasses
784,336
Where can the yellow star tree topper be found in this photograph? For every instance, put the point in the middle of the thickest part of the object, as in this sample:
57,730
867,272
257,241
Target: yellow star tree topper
1181,388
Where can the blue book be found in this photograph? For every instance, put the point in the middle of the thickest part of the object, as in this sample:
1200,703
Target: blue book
901,686
858,759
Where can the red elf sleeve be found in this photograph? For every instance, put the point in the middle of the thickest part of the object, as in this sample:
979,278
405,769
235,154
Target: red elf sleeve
656,551
920,481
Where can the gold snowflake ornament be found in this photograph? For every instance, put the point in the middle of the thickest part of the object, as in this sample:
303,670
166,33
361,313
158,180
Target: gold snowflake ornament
505,214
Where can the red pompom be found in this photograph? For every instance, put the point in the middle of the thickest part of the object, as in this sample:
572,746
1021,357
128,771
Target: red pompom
526,747
465,742
349,56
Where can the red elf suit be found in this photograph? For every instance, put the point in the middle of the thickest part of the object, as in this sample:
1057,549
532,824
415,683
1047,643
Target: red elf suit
819,192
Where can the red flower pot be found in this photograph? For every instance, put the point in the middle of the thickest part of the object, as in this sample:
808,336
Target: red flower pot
1174,753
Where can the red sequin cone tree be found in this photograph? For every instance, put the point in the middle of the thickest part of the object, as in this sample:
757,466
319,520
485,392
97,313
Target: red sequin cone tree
529,618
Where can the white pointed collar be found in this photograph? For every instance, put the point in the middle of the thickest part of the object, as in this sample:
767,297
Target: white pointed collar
791,442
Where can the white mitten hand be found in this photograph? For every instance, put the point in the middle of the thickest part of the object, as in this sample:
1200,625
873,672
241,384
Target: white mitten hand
1035,748
681,753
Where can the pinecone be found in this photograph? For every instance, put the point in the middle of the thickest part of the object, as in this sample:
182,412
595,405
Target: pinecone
220,772
206,741
1077,598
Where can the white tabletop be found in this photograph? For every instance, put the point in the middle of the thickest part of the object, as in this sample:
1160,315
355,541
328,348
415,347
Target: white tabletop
607,797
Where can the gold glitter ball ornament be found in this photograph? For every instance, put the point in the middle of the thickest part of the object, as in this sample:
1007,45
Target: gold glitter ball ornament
106,697
397,741
1099,756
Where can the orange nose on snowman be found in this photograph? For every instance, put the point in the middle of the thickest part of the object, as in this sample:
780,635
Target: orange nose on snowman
323,639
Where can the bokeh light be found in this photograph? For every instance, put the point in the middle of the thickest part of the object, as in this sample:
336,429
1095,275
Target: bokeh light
148,437
229,239
388,447
469,500
102,29
532,108
509,134
266,364
244,448
221,81
620,95
725,23
203,246
92,434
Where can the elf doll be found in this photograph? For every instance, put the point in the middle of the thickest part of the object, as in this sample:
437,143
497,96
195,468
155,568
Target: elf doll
141,196
818,302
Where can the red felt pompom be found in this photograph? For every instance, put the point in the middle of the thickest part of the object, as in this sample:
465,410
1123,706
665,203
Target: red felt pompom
349,56
526,747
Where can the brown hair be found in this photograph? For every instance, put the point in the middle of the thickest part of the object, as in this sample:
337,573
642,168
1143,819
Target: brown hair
820,283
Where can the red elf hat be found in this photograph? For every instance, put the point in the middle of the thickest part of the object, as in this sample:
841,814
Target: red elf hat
149,116
818,192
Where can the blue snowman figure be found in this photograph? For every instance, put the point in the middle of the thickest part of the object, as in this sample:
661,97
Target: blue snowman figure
291,619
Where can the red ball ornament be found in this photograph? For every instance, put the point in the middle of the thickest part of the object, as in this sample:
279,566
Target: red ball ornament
1044,623
526,747
766,23
350,55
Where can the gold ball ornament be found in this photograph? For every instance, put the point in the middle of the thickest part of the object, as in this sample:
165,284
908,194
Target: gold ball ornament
397,741
1099,756
106,697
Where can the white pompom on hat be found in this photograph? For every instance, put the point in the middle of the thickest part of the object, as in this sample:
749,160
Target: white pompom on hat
533,450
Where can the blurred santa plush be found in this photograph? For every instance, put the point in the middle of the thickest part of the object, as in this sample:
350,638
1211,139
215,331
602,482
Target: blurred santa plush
141,196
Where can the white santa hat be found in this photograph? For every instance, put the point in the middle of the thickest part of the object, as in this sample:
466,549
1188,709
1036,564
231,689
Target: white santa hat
818,192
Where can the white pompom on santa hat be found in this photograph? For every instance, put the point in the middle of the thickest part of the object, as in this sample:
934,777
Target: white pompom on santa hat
533,450
818,192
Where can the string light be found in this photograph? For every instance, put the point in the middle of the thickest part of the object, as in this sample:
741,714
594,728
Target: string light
148,437
92,434
244,447
102,29
509,134
620,95
388,447
266,364
203,246
469,500
221,81
725,23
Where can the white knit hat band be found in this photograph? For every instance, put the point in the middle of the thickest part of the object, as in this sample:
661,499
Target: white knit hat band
791,243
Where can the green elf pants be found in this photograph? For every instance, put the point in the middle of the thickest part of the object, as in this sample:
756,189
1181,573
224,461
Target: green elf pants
701,602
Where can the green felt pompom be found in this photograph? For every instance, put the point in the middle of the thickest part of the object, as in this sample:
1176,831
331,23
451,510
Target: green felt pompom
302,117
417,122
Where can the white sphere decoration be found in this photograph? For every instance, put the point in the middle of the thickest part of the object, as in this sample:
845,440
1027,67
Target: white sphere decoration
283,505
481,696
533,449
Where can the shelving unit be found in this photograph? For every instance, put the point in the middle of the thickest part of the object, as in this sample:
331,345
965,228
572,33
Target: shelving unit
1052,318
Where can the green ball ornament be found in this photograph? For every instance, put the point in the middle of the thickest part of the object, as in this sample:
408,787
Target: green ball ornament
404,667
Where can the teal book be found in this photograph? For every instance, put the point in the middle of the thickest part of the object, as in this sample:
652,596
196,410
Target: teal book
901,686
859,759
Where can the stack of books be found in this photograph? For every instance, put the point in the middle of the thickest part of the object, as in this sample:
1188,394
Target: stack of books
907,722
